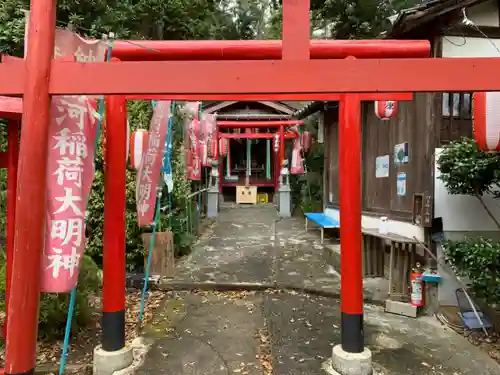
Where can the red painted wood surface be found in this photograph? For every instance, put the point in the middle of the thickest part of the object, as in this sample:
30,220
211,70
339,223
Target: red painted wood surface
264,78
282,147
10,161
296,30
24,300
114,259
258,183
351,283
258,124
196,50
11,107
287,135
279,97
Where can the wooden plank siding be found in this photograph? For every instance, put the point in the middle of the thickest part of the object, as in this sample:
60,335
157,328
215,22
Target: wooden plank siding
331,155
417,124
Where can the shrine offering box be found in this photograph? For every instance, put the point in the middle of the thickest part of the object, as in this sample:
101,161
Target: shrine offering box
246,194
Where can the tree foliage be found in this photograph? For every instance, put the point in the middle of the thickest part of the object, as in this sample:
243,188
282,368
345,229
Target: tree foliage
141,19
467,170
356,19
478,259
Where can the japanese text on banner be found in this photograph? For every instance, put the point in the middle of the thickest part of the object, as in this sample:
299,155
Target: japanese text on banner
148,176
70,172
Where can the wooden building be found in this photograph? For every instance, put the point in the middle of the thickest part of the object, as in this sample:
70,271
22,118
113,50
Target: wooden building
420,126
250,162
398,155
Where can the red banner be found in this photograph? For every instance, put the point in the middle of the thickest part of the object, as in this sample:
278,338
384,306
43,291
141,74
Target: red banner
297,166
193,149
208,143
70,172
149,174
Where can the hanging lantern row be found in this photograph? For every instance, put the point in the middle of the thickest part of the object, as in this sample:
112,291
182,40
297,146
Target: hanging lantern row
386,109
138,145
486,120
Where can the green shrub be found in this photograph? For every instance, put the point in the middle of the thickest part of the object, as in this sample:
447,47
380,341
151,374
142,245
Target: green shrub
479,260
175,218
467,170
54,307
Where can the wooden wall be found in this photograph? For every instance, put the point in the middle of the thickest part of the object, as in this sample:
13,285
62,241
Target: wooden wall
331,171
416,124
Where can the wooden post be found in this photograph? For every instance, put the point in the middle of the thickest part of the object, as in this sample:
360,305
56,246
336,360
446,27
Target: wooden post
351,259
12,164
114,258
32,192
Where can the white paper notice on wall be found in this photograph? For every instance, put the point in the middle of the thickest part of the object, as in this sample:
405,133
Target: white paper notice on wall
330,197
382,166
401,184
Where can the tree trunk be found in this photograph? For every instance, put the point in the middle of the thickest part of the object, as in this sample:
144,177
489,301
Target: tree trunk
480,198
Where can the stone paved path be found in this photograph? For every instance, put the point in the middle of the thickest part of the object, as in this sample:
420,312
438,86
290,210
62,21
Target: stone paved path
241,248
284,333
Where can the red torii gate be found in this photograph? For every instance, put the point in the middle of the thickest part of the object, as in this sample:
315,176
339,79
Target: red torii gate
39,77
10,109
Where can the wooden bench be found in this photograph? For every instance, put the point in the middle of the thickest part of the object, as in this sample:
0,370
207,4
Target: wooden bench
402,258
322,220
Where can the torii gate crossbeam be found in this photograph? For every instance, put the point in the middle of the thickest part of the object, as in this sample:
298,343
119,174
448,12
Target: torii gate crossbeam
262,79
296,77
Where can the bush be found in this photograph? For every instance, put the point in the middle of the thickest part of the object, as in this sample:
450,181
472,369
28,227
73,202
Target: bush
307,190
479,260
54,307
467,170
139,115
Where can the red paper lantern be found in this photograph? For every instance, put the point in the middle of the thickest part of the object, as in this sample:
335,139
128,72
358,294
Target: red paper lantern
223,146
138,144
212,148
386,109
486,119
276,143
306,141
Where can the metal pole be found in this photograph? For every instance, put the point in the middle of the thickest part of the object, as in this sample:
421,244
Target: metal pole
32,192
351,282
114,259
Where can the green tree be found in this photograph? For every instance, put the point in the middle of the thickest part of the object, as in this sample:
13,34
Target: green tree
466,170
141,19
356,19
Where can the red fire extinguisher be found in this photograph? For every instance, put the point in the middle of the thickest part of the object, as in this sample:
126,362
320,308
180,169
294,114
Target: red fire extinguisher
417,287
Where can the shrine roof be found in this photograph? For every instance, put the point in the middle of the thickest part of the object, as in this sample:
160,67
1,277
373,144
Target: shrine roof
285,108
427,19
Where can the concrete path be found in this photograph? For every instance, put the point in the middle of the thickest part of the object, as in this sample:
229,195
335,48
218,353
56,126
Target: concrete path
242,248
284,332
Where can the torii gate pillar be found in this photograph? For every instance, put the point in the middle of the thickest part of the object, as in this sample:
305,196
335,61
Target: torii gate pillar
22,326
